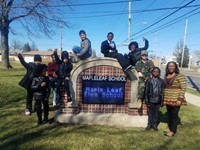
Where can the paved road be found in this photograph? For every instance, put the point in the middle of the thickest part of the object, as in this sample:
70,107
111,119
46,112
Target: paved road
193,78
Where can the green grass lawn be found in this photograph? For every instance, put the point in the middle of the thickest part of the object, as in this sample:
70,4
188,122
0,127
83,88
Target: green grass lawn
18,131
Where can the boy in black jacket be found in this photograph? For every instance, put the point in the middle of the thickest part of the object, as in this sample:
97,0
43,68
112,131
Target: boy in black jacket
154,97
41,88
135,52
65,67
27,79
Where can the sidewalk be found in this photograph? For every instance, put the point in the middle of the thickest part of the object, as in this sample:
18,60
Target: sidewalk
193,99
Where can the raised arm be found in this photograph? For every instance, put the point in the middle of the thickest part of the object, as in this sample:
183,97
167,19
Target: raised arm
22,61
146,45
58,61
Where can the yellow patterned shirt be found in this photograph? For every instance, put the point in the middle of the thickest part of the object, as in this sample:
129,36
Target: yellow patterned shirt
174,88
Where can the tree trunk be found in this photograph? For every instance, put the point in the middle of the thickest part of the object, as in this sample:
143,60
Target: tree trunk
5,48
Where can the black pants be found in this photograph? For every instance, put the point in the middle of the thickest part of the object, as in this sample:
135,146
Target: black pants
153,114
173,118
124,63
66,86
29,99
39,103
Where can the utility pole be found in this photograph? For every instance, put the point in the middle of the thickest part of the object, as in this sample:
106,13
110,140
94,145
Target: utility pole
129,21
184,42
61,36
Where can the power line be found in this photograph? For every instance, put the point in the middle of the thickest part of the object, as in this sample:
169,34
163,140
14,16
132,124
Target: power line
80,4
160,20
171,22
146,9
124,13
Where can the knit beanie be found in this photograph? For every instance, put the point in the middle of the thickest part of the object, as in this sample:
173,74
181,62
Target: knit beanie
64,55
37,57
82,32
133,43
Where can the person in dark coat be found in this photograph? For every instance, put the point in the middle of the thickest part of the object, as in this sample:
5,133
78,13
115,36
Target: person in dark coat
108,48
65,67
135,52
41,91
154,97
27,79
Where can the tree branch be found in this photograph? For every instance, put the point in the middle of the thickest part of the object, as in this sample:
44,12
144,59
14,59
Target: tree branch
27,14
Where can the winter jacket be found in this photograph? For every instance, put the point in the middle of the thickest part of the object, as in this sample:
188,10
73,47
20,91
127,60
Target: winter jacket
41,92
144,68
154,91
107,50
64,68
87,48
135,55
30,71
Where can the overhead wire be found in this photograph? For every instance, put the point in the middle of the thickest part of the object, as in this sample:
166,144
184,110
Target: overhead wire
171,22
145,9
161,19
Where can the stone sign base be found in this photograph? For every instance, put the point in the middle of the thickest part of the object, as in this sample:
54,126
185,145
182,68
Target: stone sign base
119,120
130,113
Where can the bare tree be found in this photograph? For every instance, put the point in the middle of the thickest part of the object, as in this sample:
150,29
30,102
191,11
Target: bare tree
197,53
178,53
35,16
26,48
34,47
16,45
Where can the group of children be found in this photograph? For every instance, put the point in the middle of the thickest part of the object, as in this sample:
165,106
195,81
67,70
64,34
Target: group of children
38,84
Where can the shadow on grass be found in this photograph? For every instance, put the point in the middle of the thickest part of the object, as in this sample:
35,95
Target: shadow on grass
163,118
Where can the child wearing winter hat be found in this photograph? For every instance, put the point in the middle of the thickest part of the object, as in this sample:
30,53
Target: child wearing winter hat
65,67
83,51
41,88
135,51
27,79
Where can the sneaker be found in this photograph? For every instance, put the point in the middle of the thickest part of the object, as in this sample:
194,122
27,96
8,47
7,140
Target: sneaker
39,122
46,120
27,112
148,128
130,74
129,67
155,128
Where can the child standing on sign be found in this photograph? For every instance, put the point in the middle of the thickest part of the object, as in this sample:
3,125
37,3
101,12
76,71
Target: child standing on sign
154,97
65,67
41,88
